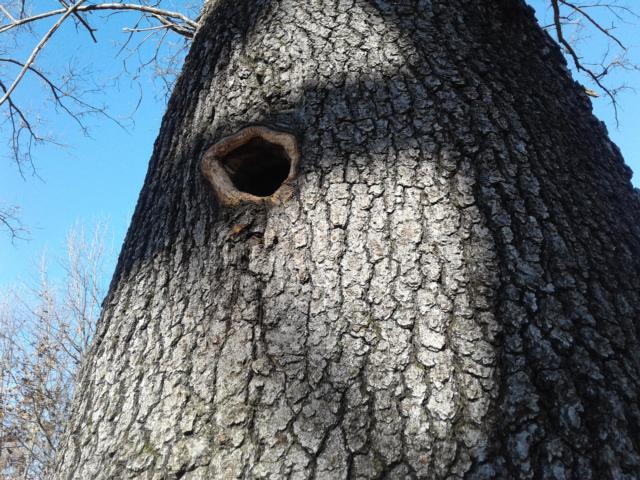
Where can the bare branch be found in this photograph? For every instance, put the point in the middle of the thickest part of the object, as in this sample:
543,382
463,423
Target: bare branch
167,14
7,14
10,222
17,129
59,94
146,29
23,130
43,333
559,21
179,29
82,21
582,11
37,50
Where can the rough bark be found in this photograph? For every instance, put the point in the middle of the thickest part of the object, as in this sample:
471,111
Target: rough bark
452,292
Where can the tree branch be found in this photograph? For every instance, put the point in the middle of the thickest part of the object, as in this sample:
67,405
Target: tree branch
10,222
82,21
59,95
597,78
22,128
38,48
167,14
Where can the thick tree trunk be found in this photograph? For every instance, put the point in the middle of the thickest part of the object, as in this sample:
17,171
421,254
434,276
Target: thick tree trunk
453,290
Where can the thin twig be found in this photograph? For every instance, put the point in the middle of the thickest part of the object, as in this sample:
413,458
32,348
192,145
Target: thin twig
7,14
147,29
81,20
37,50
104,6
597,79
590,19
58,94
9,221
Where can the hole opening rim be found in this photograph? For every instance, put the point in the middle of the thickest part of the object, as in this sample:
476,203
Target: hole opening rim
213,165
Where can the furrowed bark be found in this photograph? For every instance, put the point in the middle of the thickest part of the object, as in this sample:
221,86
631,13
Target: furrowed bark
452,291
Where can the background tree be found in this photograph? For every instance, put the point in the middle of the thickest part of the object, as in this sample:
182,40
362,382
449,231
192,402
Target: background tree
43,333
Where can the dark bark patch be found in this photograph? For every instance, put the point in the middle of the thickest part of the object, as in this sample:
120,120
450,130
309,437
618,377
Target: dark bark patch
255,165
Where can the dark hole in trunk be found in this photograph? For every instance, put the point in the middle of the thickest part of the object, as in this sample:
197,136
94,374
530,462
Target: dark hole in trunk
258,167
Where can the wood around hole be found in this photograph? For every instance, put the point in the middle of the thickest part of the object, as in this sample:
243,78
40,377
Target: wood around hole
213,169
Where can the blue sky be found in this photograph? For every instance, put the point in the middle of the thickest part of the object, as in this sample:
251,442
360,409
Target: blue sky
91,179
98,179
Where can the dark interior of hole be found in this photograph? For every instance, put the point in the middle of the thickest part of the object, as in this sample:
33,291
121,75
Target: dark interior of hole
258,167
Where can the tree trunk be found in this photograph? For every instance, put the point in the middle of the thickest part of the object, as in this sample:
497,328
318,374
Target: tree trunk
452,290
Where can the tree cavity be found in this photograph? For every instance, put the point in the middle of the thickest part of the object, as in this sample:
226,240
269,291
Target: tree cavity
256,165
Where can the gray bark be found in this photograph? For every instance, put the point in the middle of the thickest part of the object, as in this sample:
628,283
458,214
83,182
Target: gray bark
453,291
